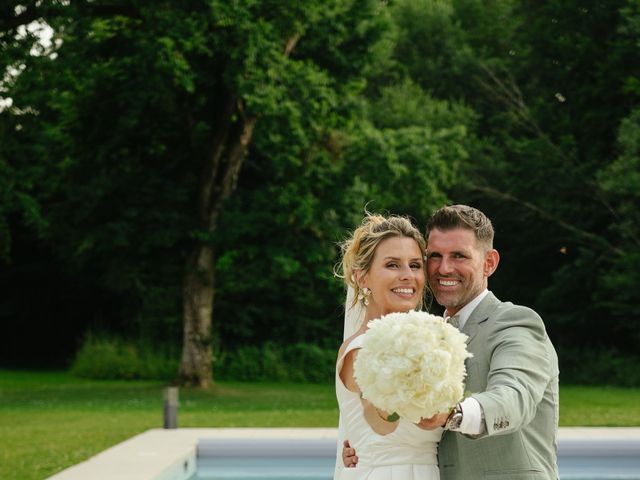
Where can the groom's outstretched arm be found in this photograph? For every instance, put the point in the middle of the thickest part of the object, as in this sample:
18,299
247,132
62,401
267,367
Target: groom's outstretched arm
523,364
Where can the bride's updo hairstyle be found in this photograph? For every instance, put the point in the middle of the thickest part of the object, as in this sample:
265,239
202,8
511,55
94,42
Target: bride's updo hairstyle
359,249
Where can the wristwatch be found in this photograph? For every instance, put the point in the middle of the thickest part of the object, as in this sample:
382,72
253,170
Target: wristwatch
455,418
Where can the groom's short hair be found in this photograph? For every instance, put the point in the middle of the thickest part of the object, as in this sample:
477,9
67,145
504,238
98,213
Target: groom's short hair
463,216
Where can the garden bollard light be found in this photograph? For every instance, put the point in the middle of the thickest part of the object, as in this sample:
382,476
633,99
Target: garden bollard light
171,407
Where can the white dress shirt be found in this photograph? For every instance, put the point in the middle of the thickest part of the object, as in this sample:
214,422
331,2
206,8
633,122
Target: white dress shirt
472,414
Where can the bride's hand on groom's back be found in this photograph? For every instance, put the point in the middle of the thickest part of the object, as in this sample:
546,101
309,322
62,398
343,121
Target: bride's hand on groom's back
349,457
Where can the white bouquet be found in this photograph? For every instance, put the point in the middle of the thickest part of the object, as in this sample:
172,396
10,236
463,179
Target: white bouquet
412,364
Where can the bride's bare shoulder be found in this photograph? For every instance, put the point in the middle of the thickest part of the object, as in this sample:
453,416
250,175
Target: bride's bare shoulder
346,343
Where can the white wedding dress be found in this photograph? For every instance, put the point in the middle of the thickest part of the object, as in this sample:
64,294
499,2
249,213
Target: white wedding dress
408,453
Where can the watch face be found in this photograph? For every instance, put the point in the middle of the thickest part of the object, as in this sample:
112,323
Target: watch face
457,418
454,421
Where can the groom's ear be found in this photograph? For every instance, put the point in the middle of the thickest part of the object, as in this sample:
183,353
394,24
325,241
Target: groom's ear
491,260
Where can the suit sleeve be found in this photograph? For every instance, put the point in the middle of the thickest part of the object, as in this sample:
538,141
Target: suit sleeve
519,370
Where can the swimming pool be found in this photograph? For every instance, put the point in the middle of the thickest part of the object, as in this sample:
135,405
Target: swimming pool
313,459
309,454
598,459
272,459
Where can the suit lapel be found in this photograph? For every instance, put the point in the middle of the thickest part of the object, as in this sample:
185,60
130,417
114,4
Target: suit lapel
479,315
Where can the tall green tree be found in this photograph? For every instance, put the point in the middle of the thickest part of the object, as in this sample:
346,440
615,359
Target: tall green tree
177,153
154,111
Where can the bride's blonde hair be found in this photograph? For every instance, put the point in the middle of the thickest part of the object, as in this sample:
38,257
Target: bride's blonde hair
359,249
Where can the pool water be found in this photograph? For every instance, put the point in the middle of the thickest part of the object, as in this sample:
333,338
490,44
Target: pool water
272,459
275,468
599,459
313,459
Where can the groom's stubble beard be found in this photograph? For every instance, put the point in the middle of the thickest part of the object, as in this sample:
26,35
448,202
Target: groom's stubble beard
455,300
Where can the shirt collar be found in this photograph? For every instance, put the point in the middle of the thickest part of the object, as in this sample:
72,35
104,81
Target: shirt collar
465,312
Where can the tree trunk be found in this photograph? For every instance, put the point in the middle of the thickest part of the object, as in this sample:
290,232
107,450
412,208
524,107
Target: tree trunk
219,178
195,365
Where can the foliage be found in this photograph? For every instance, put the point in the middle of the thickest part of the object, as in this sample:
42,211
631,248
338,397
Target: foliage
270,362
104,357
120,114
293,235
553,91
527,110
584,366
620,183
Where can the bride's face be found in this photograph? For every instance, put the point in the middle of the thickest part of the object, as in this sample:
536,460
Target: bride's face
396,277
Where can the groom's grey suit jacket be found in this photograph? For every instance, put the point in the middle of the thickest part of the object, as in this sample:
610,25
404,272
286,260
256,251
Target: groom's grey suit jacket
513,374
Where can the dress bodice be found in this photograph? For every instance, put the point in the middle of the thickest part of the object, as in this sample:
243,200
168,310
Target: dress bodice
406,445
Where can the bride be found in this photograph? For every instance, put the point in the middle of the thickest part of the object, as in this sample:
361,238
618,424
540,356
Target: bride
383,268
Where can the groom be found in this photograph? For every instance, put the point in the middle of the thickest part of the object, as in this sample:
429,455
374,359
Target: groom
508,427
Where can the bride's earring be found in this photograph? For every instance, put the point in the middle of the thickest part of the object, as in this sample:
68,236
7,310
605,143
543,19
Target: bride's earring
363,296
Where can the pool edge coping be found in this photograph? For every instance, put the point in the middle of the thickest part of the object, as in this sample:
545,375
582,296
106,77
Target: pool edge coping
137,457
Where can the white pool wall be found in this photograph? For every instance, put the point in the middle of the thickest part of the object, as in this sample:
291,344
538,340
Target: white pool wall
160,454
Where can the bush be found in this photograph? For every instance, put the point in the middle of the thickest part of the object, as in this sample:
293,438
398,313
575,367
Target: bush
104,357
311,363
250,363
300,362
599,367
107,357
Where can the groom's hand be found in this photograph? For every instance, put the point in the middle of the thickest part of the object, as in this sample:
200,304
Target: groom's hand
438,420
349,457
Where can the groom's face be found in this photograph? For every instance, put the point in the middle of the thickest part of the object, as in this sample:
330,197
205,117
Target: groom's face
457,267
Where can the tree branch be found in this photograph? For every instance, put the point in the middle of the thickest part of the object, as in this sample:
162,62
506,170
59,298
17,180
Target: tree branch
586,237
226,181
511,95
290,44
212,165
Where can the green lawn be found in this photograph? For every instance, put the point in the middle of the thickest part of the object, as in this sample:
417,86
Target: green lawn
49,421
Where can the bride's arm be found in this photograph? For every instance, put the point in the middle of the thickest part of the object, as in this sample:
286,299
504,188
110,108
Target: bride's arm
375,417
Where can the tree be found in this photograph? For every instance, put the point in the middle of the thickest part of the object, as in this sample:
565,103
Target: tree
620,182
550,85
143,112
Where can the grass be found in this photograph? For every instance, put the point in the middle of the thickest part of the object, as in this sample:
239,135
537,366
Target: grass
599,406
51,420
